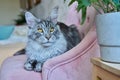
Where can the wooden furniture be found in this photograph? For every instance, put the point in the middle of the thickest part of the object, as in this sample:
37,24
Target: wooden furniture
104,70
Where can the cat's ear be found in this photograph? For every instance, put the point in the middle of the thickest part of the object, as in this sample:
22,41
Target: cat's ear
54,15
31,19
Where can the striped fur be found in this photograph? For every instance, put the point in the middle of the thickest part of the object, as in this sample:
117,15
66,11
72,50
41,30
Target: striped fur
47,39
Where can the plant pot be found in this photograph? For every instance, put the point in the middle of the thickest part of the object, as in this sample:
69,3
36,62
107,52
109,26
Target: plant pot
108,32
6,31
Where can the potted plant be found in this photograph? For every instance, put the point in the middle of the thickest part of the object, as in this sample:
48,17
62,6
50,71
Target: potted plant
107,26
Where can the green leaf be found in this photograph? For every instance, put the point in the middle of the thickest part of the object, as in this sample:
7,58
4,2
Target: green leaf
84,10
79,7
93,1
86,2
116,1
72,1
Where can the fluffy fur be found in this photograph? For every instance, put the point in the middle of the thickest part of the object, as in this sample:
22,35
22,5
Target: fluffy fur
46,39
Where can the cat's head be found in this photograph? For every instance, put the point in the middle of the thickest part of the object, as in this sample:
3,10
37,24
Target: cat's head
45,32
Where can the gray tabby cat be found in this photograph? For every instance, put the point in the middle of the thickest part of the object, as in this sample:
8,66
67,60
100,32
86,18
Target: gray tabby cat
46,39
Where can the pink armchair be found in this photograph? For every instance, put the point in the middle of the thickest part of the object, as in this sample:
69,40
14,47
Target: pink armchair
72,65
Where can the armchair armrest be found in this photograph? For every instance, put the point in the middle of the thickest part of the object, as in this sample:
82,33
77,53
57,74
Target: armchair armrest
81,49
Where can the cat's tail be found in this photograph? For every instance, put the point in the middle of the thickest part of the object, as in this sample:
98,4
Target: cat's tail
20,52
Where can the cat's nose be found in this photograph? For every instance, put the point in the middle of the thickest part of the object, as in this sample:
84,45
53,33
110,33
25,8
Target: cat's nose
47,37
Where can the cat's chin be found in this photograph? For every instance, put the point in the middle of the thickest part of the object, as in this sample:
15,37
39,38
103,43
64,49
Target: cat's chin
47,44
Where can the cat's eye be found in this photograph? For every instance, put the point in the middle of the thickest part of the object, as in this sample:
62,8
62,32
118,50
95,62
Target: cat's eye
40,30
51,29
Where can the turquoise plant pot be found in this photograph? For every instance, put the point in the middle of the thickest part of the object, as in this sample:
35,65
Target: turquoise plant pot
6,31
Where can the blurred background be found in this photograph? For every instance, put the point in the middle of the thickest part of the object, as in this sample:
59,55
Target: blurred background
10,10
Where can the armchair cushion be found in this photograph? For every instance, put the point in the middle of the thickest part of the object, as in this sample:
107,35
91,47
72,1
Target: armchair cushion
12,69
72,65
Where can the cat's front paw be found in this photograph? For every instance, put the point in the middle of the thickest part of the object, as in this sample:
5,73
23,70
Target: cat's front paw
38,67
28,66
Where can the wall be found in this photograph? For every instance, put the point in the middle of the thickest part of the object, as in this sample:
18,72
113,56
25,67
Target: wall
9,10
44,9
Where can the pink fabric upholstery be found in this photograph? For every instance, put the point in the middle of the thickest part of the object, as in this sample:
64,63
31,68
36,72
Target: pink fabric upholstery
73,17
72,65
12,69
